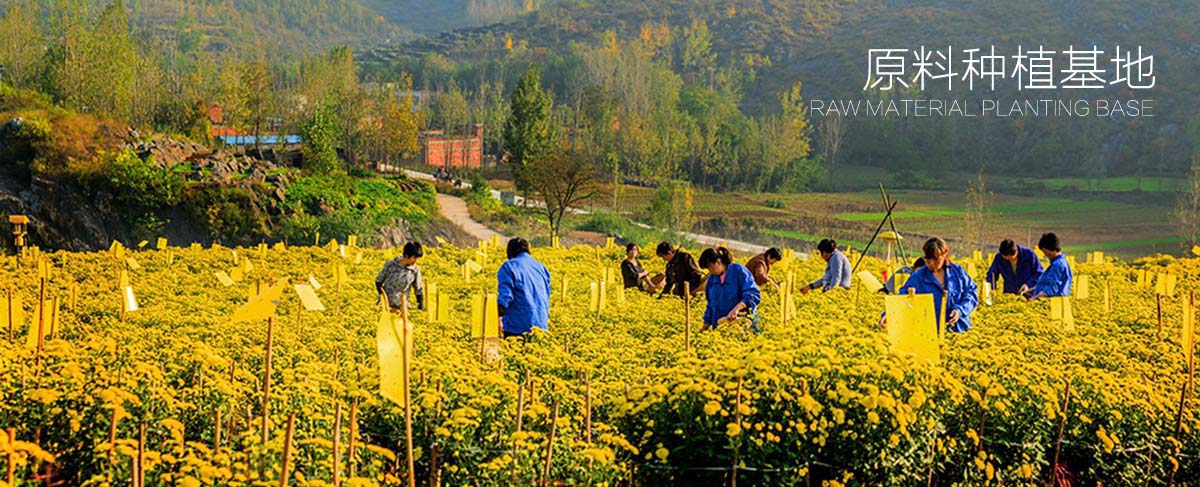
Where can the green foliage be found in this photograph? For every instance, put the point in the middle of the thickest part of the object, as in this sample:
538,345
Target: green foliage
320,133
529,133
671,206
625,230
232,215
338,206
142,184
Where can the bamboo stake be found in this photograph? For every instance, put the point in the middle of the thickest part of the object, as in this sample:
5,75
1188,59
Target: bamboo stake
337,442
687,316
287,450
299,330
408,442
1058,440
550,443
521,402
587,411
266,399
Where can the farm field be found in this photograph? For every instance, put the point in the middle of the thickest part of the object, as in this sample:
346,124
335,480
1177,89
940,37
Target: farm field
1119,226
609,398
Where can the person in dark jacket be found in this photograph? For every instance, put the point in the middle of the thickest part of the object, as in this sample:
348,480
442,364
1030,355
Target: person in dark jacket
730,289
1018,266
523,291
681,268
760,267
1056,281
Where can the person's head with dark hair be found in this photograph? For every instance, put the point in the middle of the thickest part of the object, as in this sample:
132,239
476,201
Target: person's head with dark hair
412,252
1008,251
919,263
937,253
632,250
773,255
517,246
716,260
665,250
826,248
1050,245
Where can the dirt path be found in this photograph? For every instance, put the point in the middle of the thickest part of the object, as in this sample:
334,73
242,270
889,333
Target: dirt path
455,210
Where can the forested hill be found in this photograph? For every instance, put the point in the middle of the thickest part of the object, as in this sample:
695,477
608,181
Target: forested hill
824,45
289,26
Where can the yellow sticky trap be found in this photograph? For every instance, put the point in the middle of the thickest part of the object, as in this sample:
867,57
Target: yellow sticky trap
1061,314
1172,279
431,302
483,244
358,258
900,279
912,326
352,241
194,247
279,246
485,318
970,268
1107,297
495,240
160,244
1071,261
441,241
869,281
443,309
1196,250
788,254
609,242
473,266
117,249
481,258
129,301
236,274
308,298
142,244
132,263
389,341
1160,284
1142,278
224,279
339,274
554,242
312,281
342,251
122,279
12,314
43,269
1083,288
594,298
262,306
317,240
977,255
246,265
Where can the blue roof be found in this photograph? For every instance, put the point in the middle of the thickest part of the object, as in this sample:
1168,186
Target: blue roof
264,140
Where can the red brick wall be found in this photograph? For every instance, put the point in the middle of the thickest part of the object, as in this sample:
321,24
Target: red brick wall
453,151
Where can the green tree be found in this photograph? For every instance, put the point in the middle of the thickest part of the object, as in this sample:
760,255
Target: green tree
21,44
319,132
529,133
1187,209
448,110
256,99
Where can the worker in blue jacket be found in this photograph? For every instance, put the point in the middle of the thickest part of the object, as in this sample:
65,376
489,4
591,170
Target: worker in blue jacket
943,278
523,291
1056,281
1017,265
730,289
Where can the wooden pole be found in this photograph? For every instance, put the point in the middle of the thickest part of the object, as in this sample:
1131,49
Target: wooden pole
737,410
299,330
351,467
337,442
550,443
687,316
141,456
10,312
41,331
266,399
12,456
112,437
287,450
587,411
521,401
1058,440
408,442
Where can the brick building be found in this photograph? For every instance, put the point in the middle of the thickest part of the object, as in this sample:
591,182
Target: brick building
441,150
